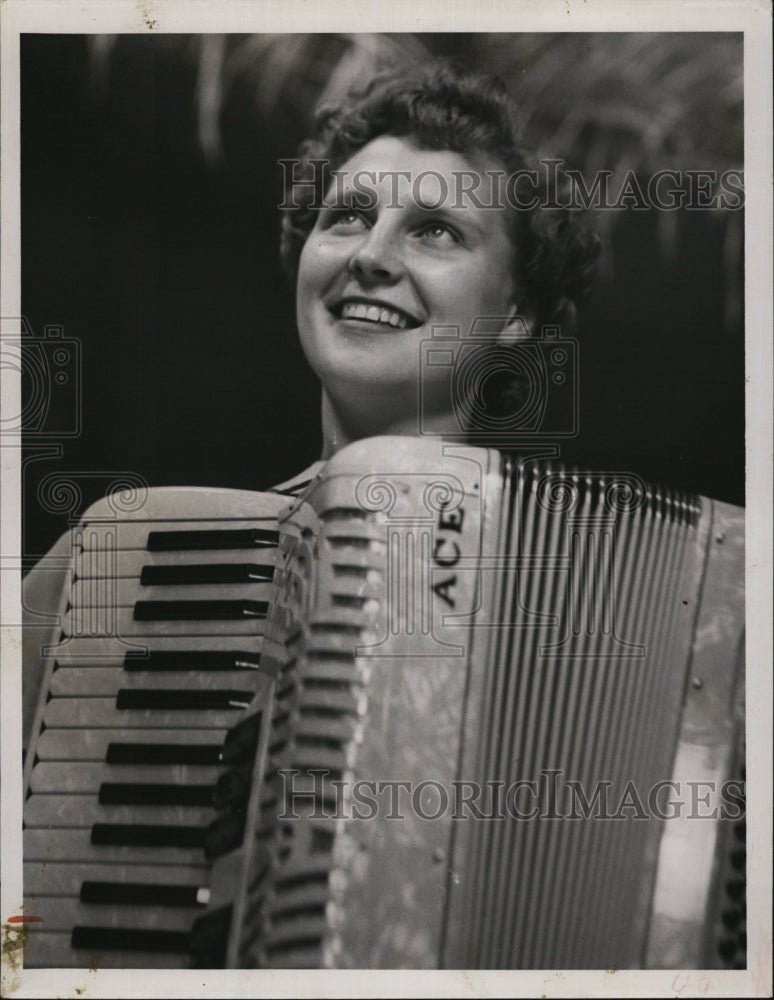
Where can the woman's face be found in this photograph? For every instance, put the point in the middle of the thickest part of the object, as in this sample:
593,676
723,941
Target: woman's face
374,279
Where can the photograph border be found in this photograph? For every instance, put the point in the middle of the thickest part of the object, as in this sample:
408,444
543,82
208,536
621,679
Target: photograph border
199,16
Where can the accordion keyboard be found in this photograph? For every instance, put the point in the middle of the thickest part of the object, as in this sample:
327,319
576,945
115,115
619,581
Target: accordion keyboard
147,733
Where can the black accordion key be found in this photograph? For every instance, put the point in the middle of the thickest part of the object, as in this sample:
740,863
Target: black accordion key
112,893
163,753
131,793
239,538
155,576
182,700
128,939
215,659
147,835
156,611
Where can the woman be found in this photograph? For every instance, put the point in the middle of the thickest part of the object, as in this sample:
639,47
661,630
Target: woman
405,214
409,199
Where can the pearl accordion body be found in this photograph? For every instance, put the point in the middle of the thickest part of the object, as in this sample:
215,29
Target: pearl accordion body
446,709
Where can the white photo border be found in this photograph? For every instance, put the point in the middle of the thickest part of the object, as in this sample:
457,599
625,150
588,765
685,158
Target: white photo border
225,16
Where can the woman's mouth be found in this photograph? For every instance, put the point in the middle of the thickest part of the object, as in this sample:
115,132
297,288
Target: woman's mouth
377,313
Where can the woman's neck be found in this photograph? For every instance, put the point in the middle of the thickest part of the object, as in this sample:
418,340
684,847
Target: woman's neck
342,424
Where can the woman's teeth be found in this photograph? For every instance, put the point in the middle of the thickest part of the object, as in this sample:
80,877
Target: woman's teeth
374,314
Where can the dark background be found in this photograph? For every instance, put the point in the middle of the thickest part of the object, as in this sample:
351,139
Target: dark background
156,249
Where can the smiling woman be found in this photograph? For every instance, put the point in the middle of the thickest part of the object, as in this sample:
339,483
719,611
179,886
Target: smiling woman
213,678
407,213
373,283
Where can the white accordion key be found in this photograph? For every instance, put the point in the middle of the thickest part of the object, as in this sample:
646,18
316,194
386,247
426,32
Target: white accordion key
92,744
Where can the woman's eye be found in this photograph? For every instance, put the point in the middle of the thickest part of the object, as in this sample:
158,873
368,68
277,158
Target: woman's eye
345,218
437,232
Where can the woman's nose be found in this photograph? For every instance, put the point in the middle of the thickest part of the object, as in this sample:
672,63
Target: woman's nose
377,258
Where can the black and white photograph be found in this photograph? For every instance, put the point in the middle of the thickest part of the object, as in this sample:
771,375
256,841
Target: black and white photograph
386,499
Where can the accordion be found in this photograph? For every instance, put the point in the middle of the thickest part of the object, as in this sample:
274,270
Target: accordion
445,709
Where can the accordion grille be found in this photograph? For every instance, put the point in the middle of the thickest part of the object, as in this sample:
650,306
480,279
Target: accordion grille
590,719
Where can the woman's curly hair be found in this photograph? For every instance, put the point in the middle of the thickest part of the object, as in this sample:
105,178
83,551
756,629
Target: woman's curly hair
438,108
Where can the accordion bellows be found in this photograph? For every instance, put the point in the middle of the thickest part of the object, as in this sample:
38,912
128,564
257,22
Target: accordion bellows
446,709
